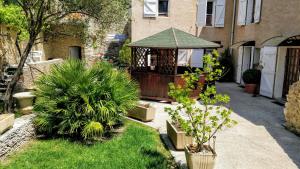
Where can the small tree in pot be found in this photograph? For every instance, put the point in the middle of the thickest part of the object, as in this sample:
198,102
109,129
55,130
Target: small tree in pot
251,78
201,122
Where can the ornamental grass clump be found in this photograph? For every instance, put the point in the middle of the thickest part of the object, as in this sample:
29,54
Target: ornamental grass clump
80,102
202,122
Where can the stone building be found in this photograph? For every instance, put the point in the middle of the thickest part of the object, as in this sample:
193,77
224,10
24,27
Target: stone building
67,39
258,32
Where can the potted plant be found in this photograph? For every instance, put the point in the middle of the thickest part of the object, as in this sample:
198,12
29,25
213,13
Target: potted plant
143,111
251,78
202,122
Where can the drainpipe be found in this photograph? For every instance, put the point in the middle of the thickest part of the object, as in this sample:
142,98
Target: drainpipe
233,25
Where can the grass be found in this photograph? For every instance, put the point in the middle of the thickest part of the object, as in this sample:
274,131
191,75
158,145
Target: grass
138,147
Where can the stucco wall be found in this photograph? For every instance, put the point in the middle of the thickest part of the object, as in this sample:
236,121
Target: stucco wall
278,18
220,34
182,15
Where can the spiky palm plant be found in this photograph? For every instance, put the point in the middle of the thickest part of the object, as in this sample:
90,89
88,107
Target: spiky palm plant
81,102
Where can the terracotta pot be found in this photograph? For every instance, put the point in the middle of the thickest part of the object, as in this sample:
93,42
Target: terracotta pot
199,160
251,88
143,112
6,122
25,102
178,138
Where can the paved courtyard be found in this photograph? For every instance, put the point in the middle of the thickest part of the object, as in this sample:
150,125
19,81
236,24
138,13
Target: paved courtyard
259,141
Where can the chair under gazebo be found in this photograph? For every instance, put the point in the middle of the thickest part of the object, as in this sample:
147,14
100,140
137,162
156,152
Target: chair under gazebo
155,61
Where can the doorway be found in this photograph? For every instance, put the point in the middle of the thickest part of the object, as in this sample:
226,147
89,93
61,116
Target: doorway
292,68
75,52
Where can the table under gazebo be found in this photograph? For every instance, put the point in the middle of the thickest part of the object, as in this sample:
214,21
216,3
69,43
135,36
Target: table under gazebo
155,61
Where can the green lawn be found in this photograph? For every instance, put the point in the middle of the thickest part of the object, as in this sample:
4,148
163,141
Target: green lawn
138,147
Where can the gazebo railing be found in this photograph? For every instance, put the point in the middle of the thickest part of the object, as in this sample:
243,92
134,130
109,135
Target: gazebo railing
166,60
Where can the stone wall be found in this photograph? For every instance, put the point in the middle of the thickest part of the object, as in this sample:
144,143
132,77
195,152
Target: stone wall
292,108
7,46
22,131
34,70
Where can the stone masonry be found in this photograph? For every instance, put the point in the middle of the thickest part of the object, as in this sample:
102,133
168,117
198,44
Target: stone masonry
22,131
292,108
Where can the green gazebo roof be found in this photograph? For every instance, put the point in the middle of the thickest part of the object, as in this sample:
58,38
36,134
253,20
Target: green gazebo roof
173,38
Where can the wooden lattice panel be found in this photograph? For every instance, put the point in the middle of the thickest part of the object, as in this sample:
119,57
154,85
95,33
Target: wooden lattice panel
167,61
140,61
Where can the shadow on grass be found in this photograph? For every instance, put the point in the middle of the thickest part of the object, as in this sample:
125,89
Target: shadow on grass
157,159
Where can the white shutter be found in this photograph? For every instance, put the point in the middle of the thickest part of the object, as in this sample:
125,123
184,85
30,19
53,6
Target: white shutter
201,12
239,65
268,61
257,11
242,12
150,8
183,57
220,13
197,58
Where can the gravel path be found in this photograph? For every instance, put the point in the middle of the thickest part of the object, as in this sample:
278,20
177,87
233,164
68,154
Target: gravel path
259,141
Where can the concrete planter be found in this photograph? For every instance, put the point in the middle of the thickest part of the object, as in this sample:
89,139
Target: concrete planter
199,160
6,122
25,102
178,138
143,112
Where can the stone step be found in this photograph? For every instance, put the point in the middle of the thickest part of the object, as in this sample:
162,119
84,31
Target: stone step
2,90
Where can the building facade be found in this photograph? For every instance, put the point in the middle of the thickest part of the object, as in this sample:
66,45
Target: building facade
262,33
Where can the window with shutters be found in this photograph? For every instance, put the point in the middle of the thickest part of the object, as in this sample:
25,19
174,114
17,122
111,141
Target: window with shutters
163,7
249,11
211,13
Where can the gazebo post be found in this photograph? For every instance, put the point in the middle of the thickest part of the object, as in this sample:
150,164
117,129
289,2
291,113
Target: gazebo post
132,57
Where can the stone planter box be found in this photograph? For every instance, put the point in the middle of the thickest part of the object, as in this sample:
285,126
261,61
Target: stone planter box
201,160
143,112
6,122
25,102
178,138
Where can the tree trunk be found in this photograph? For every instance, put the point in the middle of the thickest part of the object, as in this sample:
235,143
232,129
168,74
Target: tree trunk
8,98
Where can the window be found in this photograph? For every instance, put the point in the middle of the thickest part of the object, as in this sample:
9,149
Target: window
163,7
249,11
209,14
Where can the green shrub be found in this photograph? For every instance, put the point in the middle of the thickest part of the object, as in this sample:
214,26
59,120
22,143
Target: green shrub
125,53
227,67
252,76
80,102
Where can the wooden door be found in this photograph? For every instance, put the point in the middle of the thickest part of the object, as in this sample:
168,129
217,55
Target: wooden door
292,68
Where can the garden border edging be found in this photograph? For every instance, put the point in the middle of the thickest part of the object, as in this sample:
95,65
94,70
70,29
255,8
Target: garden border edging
22,131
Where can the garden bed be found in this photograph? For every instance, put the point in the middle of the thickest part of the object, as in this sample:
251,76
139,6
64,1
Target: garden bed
137,147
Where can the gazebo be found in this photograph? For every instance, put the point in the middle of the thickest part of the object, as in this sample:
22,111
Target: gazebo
155,61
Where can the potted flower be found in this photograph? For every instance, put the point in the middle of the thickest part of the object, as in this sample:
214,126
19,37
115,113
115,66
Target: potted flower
201,121
251,78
